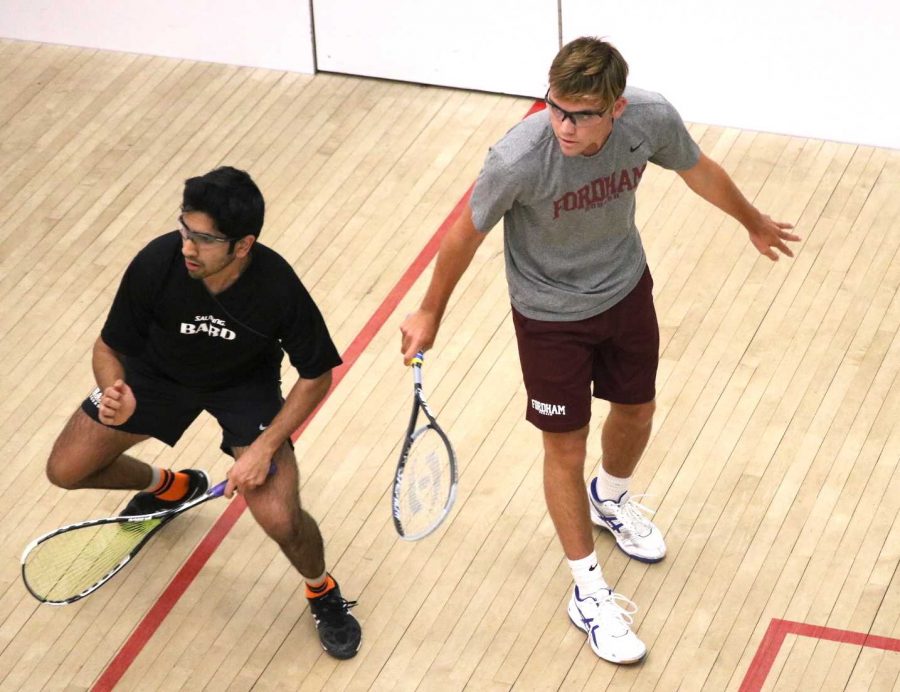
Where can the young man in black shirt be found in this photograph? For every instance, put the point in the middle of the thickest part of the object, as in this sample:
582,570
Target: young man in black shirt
201,321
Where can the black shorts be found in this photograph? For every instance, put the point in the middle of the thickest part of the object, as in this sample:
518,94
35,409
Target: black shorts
166,408
616,352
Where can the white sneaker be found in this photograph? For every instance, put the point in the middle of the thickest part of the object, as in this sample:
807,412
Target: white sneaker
606,617
636,535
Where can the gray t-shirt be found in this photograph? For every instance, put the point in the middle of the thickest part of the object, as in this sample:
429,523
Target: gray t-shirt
572,247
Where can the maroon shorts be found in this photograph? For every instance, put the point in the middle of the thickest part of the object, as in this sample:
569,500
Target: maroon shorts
616,351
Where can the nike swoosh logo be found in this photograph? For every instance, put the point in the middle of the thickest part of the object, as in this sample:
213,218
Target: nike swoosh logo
592,568
262,427
636,146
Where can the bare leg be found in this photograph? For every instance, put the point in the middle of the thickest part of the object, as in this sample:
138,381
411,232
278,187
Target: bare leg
625,436
90,455
567,502
276,507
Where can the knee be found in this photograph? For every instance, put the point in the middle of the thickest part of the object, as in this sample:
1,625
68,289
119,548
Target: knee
635,415
294,534
66,466
59,473
568,449
283,528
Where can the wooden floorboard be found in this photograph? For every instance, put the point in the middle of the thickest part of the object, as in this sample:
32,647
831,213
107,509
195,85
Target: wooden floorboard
773,465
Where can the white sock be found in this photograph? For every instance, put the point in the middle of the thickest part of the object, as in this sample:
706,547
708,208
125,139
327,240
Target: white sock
316,583
154,479
611,487
587,575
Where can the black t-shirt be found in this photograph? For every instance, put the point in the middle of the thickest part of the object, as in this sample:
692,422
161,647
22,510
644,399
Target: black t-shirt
168,321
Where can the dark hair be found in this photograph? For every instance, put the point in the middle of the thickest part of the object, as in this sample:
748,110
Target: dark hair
230,198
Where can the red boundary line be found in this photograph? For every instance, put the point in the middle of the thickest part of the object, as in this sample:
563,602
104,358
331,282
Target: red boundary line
779,629
195,562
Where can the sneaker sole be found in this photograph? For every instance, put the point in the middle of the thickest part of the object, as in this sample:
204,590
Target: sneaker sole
581,629
206,478
343,656
599,523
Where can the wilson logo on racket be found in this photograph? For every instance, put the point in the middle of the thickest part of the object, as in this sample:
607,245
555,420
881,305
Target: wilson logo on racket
426,478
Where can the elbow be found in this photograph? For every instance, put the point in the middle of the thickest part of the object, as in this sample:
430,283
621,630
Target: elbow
321,384
104,349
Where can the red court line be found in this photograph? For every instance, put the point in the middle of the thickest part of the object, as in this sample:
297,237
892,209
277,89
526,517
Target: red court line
779,629
188,572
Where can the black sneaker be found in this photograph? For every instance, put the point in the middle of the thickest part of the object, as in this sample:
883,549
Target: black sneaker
148,503
338,630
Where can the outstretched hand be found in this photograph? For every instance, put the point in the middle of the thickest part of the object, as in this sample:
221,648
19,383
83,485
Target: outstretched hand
117,404
768,235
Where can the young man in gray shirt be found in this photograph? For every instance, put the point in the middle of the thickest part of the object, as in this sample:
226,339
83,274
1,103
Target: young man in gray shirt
564,181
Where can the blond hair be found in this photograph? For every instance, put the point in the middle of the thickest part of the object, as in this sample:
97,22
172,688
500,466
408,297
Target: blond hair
589,68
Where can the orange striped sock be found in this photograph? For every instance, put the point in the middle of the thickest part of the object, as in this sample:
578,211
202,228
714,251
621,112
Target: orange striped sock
172,485
321,589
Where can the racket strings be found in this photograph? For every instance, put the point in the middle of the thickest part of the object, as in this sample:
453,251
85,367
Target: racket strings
65,565
426,483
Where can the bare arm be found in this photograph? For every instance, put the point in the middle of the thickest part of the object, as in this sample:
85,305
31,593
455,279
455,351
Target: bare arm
107,364
712,183
457,249
251,469
117,402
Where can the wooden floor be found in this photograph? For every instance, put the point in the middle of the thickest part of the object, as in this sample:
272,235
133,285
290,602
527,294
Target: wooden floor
774,460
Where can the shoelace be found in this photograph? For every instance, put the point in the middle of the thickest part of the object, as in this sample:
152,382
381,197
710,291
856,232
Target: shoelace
633,515
333,606
615,610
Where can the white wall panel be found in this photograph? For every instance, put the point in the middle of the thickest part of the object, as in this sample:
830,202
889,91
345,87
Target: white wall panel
276,34
502,46
817,68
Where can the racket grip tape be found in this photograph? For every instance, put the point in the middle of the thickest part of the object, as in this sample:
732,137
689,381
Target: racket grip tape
219,489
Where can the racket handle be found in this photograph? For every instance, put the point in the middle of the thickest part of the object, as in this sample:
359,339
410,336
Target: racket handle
416,364
219,489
